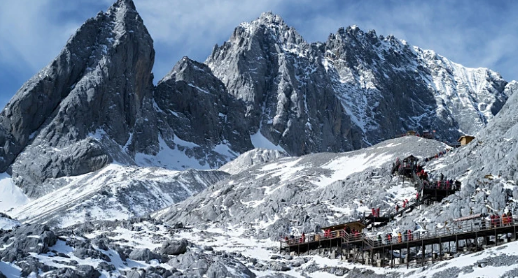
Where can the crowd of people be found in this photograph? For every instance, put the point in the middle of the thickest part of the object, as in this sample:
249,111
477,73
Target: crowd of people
407,235
496,220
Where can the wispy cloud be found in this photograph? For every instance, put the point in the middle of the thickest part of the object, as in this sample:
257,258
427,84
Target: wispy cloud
474,33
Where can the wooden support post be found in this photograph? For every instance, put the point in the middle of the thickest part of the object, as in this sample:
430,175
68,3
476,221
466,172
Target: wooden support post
391,256
407,254
496,238
363,252
456,244
422,251
432,253
298,249
382,255
440,248
476,240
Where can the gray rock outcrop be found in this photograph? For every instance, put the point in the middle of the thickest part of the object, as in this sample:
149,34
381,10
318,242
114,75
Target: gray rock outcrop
144,254
27,238
174,247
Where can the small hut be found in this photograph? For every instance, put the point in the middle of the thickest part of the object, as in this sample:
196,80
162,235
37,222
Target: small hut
408,166
464,140
410,161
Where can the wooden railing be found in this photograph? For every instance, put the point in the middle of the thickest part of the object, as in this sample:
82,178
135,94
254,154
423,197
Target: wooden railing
454,229
373,242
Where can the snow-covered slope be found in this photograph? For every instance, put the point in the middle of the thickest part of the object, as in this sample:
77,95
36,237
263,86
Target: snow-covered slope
300,193
11,196
251,158
115,192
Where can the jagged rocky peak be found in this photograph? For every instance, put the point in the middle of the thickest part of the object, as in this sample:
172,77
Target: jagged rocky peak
188,70
100,84
391,87
279,76
195,107
274,25
268,28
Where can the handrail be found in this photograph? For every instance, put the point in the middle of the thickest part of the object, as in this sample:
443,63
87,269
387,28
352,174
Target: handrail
373,242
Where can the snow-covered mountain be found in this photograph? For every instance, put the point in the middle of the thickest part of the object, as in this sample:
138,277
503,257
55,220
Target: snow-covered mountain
89,142
265,87
372,87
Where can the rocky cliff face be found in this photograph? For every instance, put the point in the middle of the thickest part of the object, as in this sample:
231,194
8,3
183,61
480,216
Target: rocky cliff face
371,88
282,80
390,87
193,104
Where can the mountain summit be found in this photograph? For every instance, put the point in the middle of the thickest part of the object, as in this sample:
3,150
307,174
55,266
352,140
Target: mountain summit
101,82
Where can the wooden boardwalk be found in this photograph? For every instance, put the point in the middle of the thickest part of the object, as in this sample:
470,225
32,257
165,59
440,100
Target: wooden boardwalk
416,247
369,250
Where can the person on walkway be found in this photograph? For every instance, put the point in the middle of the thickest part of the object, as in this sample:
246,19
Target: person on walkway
303,238
397,208
378,212
417,196
409,235
442,177
389,238
399,237
373,212
504,219
404,203
379,239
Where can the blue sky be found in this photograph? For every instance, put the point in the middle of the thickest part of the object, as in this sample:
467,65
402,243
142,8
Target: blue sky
470,32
